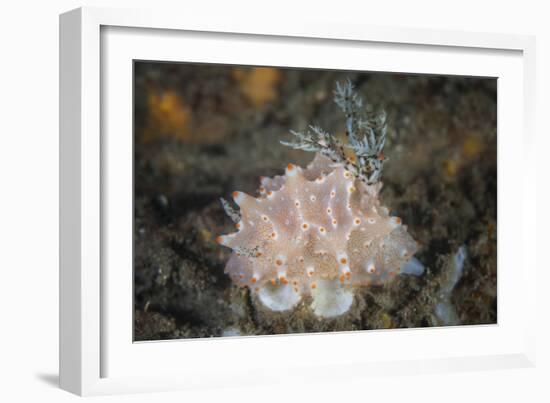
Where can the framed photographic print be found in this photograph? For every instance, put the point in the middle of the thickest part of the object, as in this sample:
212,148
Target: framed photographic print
311,197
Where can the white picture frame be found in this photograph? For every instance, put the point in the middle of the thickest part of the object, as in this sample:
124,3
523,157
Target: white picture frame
97,355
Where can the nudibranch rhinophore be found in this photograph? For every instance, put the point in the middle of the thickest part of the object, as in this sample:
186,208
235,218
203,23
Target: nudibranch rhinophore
317,232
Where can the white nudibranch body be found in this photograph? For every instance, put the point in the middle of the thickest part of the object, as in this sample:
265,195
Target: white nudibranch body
313,237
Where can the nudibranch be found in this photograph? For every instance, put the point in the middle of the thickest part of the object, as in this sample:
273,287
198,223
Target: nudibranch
317,233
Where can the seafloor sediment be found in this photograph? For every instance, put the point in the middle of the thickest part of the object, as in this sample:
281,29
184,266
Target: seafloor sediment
203,131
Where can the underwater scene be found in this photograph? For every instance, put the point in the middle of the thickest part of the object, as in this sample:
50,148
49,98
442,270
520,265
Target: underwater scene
274,200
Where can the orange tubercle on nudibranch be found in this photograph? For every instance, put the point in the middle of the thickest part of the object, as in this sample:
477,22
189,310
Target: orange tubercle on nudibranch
371,268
